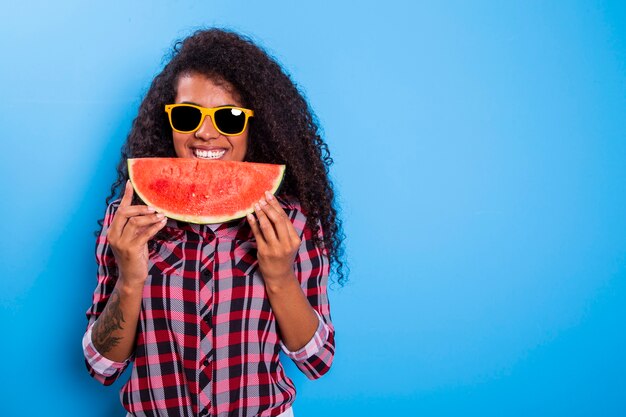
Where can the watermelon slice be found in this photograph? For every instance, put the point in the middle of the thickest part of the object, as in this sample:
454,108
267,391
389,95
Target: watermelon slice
201,191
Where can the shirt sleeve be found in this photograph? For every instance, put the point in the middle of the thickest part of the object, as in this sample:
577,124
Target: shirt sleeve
312,269
100,368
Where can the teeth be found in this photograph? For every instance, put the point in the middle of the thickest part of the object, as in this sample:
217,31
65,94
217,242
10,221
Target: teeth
200,153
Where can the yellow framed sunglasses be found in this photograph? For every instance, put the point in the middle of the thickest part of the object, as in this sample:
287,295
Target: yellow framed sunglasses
228,120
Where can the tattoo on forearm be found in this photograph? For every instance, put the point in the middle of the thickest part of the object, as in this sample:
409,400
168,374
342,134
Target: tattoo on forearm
109,321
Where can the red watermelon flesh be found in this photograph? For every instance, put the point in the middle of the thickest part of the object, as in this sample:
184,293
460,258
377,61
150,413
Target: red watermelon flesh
201,191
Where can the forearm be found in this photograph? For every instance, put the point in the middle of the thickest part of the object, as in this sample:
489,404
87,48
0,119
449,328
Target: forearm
114,331
295,317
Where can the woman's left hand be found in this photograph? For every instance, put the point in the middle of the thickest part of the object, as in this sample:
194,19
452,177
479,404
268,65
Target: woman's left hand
277,240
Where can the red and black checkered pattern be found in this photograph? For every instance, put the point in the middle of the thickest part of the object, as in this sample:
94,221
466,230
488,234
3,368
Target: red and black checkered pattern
207,339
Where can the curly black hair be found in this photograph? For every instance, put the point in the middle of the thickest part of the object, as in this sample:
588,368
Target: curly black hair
284,129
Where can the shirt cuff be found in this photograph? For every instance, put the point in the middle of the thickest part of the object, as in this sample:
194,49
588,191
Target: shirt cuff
313,346
100,364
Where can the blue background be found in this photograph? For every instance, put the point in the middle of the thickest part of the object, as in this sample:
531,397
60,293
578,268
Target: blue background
479,151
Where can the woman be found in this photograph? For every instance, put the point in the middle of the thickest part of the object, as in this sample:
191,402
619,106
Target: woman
204,310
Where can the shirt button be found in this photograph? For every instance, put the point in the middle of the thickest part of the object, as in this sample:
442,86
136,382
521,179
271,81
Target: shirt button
204,412
206,273
205,362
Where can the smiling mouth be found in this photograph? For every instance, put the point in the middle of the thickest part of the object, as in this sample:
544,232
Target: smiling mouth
206,154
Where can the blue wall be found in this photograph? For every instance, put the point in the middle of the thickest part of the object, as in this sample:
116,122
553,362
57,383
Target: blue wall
479,154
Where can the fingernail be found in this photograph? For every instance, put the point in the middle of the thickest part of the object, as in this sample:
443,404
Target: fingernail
263,202
269,196
160,215
250,217
257,207
150,208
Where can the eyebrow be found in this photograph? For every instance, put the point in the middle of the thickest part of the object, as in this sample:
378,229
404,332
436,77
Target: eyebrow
196,104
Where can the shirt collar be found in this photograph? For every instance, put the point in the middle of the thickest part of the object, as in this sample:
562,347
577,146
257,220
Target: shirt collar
237,229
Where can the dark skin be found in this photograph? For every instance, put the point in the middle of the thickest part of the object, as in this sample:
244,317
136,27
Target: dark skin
114,331
277,244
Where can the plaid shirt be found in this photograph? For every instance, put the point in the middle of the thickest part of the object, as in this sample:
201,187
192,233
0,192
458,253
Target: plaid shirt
207,339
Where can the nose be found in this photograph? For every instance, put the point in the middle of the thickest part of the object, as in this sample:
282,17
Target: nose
207,130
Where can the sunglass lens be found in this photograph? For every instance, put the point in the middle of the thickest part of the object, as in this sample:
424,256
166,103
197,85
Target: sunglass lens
186,118
230,121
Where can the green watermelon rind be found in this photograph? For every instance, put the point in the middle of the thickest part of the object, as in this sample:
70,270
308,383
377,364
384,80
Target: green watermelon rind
203,219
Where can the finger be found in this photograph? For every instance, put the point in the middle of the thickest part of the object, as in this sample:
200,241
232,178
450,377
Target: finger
119,221
136,223
149,232
130,211
293,234
123,214
265,225
136,227
128,195
278,218
291,230
256,230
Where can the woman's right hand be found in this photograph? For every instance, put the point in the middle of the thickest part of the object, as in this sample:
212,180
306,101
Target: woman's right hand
128,235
